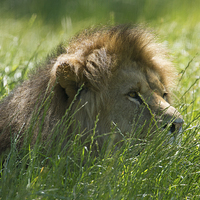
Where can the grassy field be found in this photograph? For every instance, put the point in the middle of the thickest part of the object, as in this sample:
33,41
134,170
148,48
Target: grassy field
31,29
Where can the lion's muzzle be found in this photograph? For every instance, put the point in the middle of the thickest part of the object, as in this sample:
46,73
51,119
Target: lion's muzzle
167,116
174,121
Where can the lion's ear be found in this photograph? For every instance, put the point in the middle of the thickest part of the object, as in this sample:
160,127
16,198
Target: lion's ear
69,73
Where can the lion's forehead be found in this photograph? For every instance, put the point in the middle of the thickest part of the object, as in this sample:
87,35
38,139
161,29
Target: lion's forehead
154,80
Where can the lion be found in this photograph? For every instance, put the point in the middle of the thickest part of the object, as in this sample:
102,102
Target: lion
120,75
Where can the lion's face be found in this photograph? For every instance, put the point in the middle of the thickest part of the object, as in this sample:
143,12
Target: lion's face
135,99
138,100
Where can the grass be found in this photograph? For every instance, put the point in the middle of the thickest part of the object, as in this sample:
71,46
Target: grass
159,171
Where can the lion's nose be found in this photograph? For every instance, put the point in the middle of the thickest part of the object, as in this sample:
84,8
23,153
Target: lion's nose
177,125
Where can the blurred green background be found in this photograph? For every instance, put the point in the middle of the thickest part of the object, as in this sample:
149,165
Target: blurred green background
36,21
53,12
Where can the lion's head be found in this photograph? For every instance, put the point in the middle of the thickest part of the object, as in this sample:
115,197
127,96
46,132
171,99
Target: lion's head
119,75
126,80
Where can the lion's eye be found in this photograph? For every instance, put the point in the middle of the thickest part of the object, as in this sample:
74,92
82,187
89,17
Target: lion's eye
133,96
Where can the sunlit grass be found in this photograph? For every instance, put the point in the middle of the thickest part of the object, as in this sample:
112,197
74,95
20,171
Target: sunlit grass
157,172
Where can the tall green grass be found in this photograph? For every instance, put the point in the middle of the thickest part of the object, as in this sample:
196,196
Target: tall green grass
149,170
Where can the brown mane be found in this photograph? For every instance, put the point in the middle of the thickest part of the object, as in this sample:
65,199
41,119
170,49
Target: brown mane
123,42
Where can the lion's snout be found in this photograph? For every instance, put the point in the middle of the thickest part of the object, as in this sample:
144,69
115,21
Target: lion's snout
168,116
173,117
173,121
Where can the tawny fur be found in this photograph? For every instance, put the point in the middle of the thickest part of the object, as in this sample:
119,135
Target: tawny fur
99,61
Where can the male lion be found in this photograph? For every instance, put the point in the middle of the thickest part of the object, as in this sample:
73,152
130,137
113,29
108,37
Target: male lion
119,74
